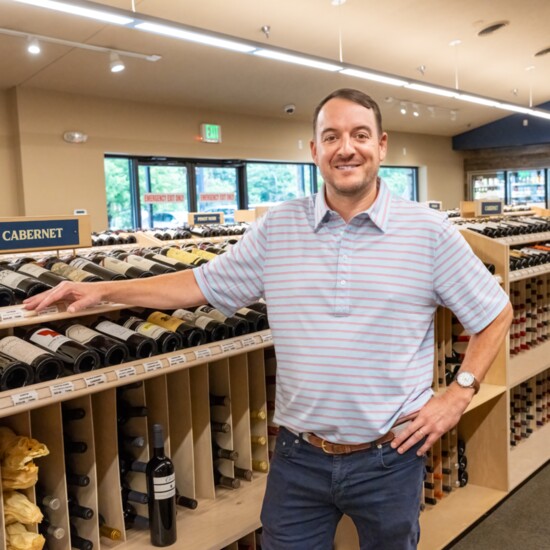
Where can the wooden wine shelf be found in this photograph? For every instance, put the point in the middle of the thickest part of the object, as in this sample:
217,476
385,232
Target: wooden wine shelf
520,274
215,523
527,364
523,239
529,455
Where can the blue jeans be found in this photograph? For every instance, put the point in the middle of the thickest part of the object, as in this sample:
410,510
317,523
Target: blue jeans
308,491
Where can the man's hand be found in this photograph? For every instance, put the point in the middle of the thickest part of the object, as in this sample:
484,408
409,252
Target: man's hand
436,417
79,295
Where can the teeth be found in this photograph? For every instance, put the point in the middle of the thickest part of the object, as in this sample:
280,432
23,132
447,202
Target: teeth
346,167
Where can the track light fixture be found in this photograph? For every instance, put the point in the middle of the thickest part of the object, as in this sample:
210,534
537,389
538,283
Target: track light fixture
403,109
116,65
33,46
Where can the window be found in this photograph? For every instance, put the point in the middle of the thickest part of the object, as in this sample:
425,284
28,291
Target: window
118,190
402,181
217,190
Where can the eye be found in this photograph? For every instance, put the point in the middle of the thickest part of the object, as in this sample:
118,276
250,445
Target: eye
328,138
362,136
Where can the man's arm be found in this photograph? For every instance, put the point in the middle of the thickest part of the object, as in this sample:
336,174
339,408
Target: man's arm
171,291
441,413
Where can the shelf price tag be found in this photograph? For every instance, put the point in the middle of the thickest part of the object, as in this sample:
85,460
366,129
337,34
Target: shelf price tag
12,314
177,360
125,372
202,353
152,366
96,380
62,388
249,341
267,337
229,346
25,397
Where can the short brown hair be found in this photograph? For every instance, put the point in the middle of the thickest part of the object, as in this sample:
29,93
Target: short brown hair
356,96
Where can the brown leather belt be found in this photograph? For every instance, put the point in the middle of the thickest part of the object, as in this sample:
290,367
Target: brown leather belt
342,449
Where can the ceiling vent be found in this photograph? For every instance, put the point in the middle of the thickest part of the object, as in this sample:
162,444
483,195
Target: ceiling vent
542,52
492,28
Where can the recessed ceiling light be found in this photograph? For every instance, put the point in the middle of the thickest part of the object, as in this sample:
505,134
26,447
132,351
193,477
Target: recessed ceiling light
493,27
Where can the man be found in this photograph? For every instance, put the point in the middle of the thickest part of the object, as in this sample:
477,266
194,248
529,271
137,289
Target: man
352,278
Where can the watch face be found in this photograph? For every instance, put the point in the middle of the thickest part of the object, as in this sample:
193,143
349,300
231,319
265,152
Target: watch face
465,379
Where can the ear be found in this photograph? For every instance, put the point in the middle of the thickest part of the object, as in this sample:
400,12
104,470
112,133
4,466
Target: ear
383,146
313,149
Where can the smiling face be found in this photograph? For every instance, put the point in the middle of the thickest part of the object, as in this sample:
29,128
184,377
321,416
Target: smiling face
348,150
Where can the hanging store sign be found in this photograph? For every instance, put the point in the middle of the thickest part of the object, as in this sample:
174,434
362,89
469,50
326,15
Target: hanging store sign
204,218
155,198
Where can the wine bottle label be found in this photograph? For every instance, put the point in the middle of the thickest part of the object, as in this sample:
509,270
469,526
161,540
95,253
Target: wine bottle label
117,331
164,487
33,270
165,259
80,262
10,278
147,329
114,264
19,349
245,311
202,321
80,333
140,262
49,339
166,321
69,271
203,253
211,312
182,255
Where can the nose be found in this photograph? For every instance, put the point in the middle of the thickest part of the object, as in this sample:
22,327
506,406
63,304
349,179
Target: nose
346,146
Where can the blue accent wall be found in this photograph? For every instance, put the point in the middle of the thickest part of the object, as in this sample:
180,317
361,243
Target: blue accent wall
506,132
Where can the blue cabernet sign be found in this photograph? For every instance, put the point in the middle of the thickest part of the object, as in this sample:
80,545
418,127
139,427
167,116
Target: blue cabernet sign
38,234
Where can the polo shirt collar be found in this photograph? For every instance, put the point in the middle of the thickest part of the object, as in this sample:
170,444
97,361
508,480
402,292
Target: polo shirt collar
378,211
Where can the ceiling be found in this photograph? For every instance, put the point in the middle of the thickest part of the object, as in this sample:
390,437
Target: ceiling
392,36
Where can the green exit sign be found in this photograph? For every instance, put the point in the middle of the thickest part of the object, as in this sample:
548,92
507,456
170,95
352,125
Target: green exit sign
211,133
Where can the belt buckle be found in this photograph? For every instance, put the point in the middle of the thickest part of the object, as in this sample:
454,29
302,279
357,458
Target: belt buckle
323,441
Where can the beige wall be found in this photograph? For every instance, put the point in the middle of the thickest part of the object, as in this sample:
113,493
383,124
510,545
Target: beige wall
58,177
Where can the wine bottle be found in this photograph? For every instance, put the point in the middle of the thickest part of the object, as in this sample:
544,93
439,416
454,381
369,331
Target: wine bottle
214,330
220,452
43,275
125,411
258,414
79,542
99,271
165,260
14,373
7,296
77,480
45,365
128,463
45,501
77,357
219,400
124,268
74,447
260,307
161,487
182,256
256,321
133,496
259,465
46,529
220,427
166,340
201,253
146,264
190,335
259,440
110,351
55,265
133,519
137,442
186,502
22,285
78,511
243,473
138,345
225,481
107,531
237,326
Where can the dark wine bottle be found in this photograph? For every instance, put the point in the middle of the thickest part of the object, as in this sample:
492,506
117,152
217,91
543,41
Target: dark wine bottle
23,286
128,463
77,358
137,442
220,427
237,326
79,542
46,365
43,275
220,452
107,531
139,346
78,511
46,529
260,307
190,335
72,414
55,265
166,340
165,260
256,321
74,447
145,264
14,373
214,330
225,481
110,351
243,473
77,480
45,501
133,496
7,296
133,519
186,502
99,271
161,487
125,411
124,268
219,400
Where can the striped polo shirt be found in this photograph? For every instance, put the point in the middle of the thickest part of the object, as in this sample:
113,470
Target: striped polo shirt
351,307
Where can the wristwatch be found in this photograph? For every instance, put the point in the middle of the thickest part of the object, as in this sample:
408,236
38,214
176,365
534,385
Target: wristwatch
466,379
